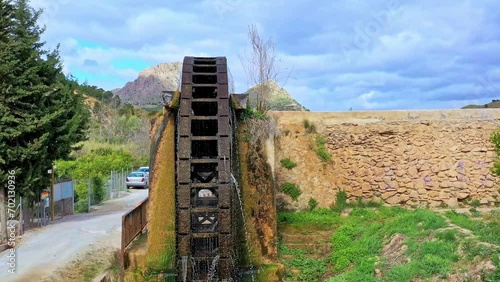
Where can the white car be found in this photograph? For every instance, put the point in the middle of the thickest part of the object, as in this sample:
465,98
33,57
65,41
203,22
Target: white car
137,179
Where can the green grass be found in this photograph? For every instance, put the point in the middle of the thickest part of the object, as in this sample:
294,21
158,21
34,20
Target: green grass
320,149
318,142
309,269
319,219
291,190
287,163
432,251
92,270
487,231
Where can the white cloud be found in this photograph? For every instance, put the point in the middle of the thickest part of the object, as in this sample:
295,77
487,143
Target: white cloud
423,54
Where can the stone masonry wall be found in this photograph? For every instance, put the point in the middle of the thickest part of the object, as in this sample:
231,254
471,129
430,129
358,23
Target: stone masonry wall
422,158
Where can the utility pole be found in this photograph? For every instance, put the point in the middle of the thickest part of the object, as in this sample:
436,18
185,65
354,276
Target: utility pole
52,194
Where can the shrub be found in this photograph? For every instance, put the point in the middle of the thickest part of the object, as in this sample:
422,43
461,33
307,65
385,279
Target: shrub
82,206
320,149
309,126
291,190
475,203
341,202
287,163
312,204
251,113
495,139
98,191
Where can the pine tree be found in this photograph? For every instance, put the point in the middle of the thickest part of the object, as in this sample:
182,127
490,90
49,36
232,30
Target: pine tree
41,118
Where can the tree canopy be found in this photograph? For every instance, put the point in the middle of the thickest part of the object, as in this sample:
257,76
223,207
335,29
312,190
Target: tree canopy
41,116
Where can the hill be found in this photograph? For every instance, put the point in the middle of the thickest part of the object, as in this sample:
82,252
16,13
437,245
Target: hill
492,104
145,91
147,88
279,98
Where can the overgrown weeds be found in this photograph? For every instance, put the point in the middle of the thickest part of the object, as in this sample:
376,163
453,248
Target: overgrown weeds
427,250
487,231
312,204
340,202
309,127
320,148
291,190
288,163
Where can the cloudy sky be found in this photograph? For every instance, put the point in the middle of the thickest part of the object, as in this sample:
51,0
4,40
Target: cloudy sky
335,54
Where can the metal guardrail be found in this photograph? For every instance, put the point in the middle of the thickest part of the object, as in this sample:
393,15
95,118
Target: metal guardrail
133,222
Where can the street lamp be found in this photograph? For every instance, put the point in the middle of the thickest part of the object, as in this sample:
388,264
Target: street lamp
51,171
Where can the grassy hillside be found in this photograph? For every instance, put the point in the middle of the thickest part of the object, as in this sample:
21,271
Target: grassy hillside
279,99
116,125
493,104
390,244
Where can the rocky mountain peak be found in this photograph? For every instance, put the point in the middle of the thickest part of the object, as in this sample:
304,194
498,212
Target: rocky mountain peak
147,88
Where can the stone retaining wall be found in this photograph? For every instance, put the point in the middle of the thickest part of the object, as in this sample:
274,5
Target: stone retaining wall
422,158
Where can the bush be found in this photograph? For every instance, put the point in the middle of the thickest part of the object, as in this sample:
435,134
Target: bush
309,126
291,190
341,202
495,139
287,163
320,149
96,166
475,203
98,191
252,113
82,206
312,204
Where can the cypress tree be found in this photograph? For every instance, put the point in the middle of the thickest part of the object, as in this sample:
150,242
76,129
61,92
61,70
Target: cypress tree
41,119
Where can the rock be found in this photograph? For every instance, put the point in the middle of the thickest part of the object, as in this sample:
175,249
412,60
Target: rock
393,200
388,194
443,195
413,194
462,196
452,203
407,180
444,184
404,198
419,185
435,169
392,185
460,185
424,167
434,204
419,143
412,171
402,190
365,187
357,193
433,194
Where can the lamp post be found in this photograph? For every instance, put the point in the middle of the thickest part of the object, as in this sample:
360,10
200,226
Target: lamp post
52,193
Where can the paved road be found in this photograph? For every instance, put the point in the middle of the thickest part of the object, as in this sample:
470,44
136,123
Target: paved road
42,251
